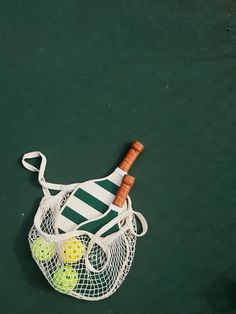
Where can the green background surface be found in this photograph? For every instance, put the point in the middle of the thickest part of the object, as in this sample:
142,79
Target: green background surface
79,80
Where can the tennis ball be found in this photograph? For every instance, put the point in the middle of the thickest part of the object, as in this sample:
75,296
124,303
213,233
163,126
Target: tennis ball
71,250
65,278
43,250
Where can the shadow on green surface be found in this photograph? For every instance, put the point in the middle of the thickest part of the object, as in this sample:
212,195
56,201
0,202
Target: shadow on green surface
221,296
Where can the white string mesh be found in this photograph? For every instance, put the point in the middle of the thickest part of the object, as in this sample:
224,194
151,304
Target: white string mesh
62,261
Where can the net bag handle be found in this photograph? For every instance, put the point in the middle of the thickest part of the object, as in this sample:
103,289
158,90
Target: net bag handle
46,186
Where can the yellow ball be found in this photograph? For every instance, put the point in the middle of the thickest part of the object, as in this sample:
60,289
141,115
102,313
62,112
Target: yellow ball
71,250
43,250
65,279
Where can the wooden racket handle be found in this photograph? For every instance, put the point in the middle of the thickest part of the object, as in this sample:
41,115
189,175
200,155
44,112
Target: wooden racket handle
135,149
123,191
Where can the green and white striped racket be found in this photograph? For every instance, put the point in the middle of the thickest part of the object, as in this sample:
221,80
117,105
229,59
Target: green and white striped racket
91,200
112,212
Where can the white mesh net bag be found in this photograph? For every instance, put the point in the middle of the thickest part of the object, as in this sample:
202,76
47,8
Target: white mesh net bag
85,265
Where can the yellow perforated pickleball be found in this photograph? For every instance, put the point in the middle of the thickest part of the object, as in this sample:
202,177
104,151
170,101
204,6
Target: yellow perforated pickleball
42,250
71,250
65,278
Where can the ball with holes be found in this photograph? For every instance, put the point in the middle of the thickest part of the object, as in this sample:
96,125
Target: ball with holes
65,278
71,251
42,250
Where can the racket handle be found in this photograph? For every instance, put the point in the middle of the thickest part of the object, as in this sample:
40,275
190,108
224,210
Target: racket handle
123,191
135,149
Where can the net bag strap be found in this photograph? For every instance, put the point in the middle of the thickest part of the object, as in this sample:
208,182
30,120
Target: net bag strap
127,216
46,186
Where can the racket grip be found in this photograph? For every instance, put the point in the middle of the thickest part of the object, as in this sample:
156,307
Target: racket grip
135,149
123,191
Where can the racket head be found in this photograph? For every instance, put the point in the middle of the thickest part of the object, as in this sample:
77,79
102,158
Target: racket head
89,200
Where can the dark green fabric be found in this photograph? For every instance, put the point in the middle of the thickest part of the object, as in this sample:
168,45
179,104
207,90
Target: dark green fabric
79,80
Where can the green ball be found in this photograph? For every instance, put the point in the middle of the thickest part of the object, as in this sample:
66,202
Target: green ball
43,250
65,278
